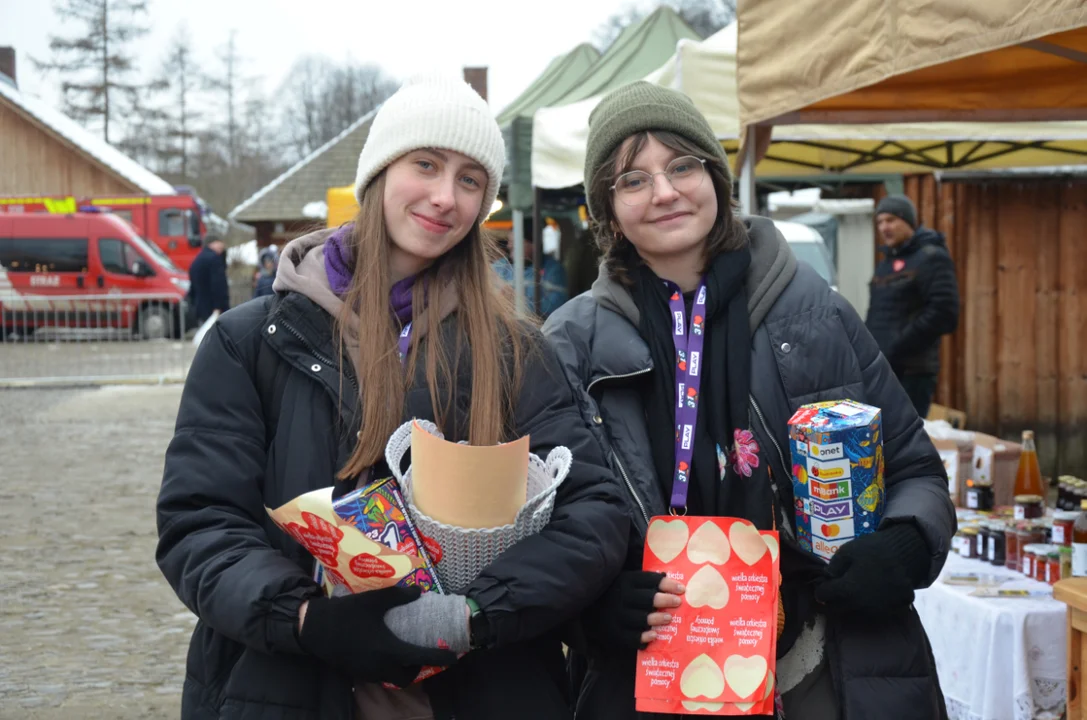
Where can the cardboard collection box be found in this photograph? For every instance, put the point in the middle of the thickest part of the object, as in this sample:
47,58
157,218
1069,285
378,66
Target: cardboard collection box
957,454
837,458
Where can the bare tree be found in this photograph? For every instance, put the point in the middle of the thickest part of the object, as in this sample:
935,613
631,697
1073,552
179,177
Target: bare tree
228,83
96,62
704,16
178,79
321,99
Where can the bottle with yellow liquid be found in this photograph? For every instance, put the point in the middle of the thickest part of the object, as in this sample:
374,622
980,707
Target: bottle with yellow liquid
1028,479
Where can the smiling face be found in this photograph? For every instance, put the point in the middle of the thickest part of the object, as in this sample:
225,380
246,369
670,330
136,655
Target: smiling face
669,222
431,200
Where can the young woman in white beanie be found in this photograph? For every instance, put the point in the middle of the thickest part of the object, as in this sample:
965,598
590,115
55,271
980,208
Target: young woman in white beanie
394,316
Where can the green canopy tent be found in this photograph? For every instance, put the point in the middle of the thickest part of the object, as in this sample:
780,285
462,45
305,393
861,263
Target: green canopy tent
561,75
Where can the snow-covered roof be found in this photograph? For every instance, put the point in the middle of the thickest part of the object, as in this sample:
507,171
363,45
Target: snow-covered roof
94,146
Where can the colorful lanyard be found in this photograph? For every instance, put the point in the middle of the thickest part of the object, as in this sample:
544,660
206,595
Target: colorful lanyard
688,341
405,343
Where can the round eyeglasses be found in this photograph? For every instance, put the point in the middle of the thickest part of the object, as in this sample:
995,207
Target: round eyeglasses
636,187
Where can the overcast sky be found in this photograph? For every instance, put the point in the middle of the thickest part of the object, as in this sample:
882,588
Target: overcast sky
403,36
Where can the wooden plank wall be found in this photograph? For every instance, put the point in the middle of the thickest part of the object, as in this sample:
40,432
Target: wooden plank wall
37,162
1019,358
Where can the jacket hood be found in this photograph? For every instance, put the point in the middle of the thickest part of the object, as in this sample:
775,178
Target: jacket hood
772,267
302,270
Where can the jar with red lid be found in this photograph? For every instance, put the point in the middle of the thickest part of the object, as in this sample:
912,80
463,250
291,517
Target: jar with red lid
1063,520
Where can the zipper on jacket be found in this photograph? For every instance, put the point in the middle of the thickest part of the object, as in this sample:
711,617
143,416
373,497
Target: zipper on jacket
630,487
785,523
315,353
617,377
615,455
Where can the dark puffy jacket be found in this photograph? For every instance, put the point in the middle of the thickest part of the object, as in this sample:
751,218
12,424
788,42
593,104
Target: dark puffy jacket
807,345
209,289
261,421
264,284
914,301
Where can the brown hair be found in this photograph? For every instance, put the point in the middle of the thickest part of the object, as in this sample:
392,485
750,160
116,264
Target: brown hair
620,256
485,322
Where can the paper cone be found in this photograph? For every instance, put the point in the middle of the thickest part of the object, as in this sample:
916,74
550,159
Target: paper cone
468,486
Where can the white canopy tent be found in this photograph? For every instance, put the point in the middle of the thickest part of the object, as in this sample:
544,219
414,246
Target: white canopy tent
706,72
559,134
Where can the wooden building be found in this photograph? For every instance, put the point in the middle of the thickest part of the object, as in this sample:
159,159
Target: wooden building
1019,358
43,152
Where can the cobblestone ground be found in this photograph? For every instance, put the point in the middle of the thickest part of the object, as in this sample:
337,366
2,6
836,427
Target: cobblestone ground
88,626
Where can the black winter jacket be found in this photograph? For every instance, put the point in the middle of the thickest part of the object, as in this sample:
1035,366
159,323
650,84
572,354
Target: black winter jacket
209,289
807,345
261,421
914,301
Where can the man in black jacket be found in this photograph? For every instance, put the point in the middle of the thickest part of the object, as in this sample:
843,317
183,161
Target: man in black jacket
210,290
914,298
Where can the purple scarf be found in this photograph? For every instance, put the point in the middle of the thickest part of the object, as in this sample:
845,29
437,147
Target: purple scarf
340,266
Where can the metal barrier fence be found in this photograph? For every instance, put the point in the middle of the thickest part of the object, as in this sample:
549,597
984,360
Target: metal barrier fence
87,338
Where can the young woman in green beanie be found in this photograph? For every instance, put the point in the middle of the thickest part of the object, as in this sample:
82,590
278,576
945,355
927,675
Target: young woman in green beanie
679,264
395,316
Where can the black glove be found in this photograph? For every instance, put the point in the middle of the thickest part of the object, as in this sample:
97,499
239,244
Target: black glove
621,615
875,574
349,633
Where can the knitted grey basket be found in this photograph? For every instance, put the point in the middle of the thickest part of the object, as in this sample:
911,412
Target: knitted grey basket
467,551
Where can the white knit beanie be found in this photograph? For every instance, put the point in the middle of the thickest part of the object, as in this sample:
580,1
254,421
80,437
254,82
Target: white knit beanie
434,111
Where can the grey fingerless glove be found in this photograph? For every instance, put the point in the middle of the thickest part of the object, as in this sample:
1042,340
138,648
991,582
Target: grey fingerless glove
434,620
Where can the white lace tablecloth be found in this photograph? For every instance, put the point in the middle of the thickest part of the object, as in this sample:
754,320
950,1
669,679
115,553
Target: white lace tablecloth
998,659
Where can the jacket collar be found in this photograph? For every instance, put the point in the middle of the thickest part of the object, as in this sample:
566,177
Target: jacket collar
921,237
773,265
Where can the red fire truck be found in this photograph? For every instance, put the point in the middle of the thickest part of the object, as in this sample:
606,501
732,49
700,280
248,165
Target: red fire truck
174,223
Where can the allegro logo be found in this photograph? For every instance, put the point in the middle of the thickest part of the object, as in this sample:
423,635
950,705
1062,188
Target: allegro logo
824,548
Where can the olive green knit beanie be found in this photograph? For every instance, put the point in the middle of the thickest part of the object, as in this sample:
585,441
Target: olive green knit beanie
637,107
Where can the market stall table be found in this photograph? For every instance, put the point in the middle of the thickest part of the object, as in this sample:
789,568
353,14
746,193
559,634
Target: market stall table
998,658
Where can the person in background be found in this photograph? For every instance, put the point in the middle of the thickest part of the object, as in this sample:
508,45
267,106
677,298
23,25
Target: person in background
209,290
551,275
914,298
771,336
266,275
391,317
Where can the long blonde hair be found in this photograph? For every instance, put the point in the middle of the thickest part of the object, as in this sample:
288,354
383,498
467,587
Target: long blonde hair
486,325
